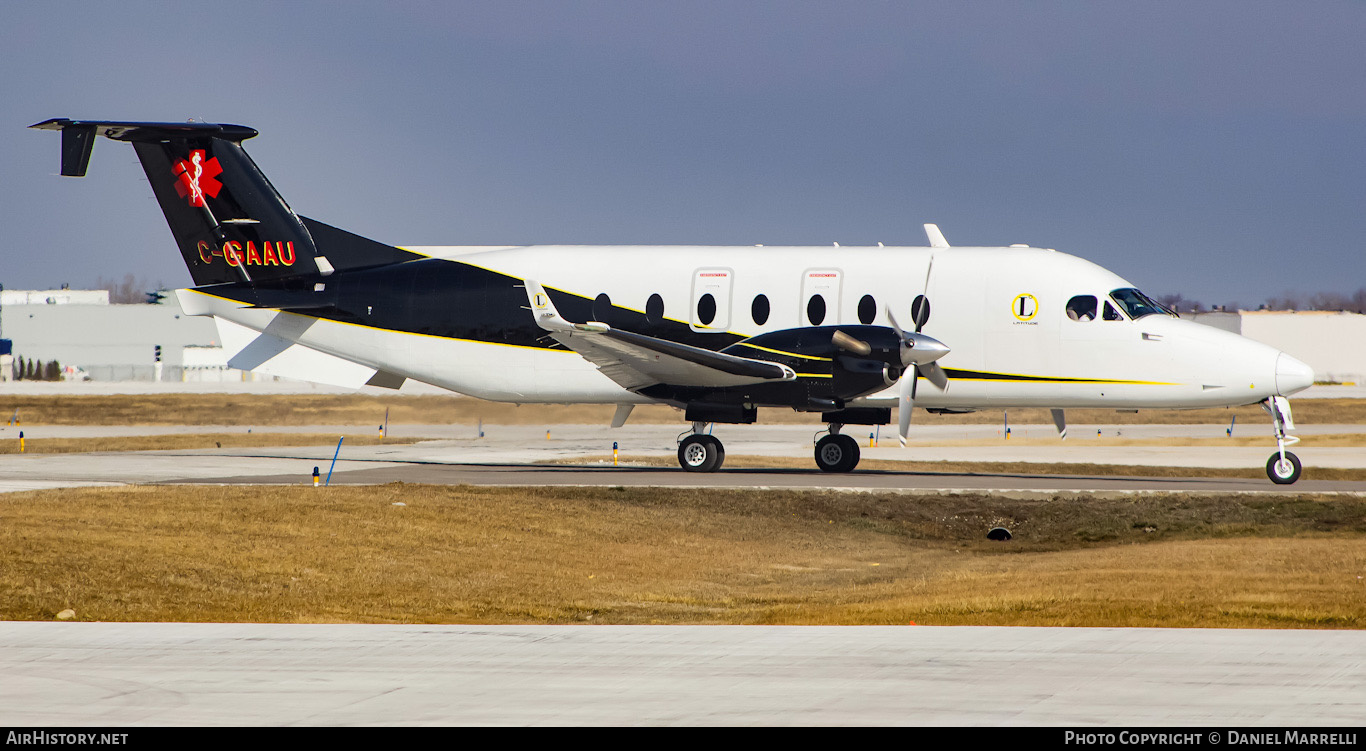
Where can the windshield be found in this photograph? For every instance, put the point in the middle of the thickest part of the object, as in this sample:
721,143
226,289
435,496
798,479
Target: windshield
1137,304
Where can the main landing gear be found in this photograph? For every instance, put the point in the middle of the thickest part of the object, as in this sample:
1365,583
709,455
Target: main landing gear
1283,467
837,452
700,452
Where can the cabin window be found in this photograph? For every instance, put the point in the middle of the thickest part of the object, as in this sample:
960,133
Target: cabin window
867,309
1111,314
706,309
815,310
920,311
1082,308
758,310
654,309
602,308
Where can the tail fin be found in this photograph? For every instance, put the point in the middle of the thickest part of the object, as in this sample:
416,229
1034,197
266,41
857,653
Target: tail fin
229,221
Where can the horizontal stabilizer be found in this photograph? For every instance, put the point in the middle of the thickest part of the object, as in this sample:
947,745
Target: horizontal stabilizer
252,350
119,130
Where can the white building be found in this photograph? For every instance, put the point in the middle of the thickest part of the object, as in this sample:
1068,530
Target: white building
79,328
54,297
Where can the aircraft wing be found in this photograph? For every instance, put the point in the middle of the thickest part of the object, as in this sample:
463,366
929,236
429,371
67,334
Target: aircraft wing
636,361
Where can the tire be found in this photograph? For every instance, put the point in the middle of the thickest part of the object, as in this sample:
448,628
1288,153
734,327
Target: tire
837,453
1283,473
700,453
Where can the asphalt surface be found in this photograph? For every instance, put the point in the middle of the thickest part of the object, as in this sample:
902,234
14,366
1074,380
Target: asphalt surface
580,455
795,479
70,674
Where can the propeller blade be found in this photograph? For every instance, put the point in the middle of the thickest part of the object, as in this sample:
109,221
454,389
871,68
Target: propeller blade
850,344
934,373
892,319
904,404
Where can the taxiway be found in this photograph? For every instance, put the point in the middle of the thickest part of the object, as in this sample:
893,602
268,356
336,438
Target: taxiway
292,674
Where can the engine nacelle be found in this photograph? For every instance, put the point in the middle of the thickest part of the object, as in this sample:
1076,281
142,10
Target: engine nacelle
831,371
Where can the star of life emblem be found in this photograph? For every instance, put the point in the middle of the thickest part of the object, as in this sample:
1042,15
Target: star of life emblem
196,178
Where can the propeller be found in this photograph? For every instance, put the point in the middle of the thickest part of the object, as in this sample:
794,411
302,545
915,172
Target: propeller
918,355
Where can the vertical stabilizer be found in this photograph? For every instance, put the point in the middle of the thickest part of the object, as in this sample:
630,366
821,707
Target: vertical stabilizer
229,222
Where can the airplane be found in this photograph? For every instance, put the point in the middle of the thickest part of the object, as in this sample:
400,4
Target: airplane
849,333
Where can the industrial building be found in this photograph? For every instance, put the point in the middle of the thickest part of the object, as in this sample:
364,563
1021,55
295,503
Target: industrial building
80,329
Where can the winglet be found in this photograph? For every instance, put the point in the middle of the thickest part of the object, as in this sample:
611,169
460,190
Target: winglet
936,237
549,318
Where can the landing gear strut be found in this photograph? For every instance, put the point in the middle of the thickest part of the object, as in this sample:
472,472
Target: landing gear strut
700,452
1283,467
837,452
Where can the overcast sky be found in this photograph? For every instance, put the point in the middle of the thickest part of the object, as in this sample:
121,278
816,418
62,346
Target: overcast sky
1213,149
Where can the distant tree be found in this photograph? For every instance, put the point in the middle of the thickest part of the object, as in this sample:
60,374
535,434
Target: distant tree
1290,301
130,291
1181,304
18,368
52,371
32,373
1353,303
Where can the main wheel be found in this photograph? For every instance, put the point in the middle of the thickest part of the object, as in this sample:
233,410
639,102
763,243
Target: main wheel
701,453
1283,472
837,453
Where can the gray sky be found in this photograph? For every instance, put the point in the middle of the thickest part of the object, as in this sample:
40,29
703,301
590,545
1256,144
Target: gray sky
1212,149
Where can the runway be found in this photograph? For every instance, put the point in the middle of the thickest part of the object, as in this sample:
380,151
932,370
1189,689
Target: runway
69,674
791,479
573,455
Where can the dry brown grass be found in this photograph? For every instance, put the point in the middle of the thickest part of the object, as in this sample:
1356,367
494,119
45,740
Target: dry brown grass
188,441
363,409
558,555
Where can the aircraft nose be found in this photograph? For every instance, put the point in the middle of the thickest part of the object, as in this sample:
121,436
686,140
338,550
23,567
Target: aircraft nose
1292,376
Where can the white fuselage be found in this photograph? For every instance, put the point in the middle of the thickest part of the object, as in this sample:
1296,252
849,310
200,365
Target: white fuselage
1001,311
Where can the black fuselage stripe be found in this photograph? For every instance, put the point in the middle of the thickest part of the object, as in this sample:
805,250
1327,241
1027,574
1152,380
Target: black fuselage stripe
452,300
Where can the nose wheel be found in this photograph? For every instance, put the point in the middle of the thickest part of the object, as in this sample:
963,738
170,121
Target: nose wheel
1283,470
837,452
1283,467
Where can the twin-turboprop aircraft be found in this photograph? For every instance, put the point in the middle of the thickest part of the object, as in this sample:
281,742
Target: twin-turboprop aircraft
718,332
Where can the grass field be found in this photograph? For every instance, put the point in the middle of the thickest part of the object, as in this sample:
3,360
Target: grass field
358,409
567,555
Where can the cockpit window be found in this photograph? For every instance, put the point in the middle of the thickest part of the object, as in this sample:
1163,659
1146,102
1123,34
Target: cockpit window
1082,308
1111,314
1137,304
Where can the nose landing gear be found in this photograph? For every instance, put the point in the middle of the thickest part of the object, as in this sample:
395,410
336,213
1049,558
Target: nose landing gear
837,452
1283,467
